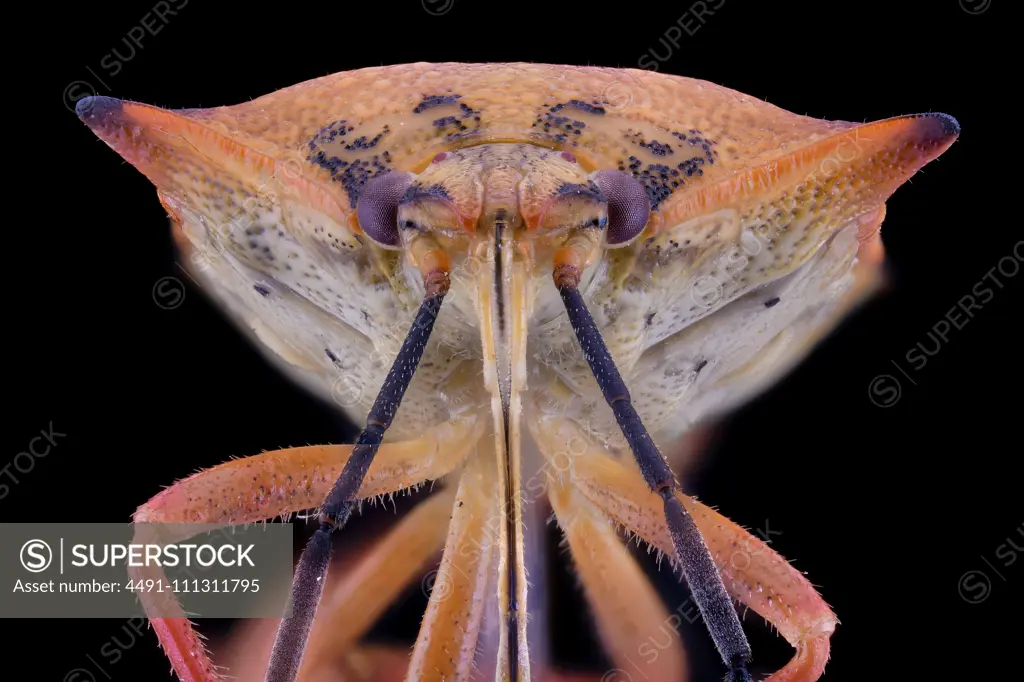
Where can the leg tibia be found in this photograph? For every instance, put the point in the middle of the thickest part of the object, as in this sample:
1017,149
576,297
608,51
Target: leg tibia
276,483
634,624
752,572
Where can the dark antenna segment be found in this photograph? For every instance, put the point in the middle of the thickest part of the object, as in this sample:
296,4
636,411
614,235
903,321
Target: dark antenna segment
692,553
311,572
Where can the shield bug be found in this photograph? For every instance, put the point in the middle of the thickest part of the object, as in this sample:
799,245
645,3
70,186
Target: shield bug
483,261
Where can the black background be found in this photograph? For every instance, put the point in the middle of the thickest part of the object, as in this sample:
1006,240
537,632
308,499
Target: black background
885,508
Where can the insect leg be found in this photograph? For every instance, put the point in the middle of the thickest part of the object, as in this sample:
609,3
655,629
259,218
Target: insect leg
690,550
459,591
634,624
308,583
446,645
236,492
753,573
373,582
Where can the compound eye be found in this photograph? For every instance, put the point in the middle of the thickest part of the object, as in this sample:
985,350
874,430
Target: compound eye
377,208
628,206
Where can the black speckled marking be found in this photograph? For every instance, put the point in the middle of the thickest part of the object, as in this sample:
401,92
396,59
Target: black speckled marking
562,128
696,138
329,133
433,101
692,166
657,148
466,122
261,290
589,190
654,147
771,302
352,173
416,191
581,105
559,127
362,142
659,179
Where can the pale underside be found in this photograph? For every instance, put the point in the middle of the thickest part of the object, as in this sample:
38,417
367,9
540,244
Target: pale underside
764,234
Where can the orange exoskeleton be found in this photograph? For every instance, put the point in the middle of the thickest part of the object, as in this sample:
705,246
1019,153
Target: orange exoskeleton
524,280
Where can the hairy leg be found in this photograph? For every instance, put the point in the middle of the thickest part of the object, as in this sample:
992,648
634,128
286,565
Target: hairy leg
271,484
380,575
752,572
634,624
447,641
